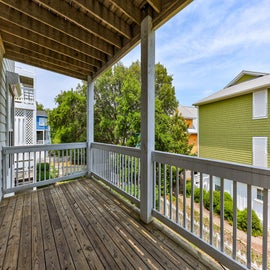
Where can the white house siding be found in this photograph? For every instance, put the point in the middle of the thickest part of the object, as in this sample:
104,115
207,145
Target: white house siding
5,65
257,204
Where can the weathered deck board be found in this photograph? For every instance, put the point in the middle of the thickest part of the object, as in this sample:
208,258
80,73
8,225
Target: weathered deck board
81,225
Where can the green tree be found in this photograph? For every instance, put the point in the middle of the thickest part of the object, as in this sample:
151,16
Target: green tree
117,111
39,106
68,119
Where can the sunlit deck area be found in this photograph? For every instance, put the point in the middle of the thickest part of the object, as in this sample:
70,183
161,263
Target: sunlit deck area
82,225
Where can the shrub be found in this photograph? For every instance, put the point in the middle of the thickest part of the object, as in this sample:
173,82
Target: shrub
228,210
197,195
206,200
197,192
188,188
256,223
43,171
216,201
227,197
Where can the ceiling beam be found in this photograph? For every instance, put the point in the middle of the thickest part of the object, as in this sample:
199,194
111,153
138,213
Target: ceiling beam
70,13
22,20
41,15
106,16
128,8
17,56
155,4
8,27
26,47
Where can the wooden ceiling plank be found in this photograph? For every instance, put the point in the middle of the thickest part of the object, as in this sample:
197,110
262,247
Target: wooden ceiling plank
55,63
155,4
16,56
43,53
22,20
22,33
70,13
106,16
40,14
128,8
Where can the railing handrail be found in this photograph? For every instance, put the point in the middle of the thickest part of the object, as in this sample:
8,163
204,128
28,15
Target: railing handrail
125,150
228,170
44,147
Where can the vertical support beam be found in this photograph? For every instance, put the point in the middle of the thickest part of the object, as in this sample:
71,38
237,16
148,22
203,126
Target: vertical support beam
90,122
147,116
2,52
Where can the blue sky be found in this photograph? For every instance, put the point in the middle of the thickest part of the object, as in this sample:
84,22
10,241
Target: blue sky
203,47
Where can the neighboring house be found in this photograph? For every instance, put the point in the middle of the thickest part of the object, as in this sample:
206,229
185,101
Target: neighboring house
190,114
234,126
25,109
42,128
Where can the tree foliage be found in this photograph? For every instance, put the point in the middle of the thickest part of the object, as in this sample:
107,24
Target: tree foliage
39,106
257,229
68,119
118,112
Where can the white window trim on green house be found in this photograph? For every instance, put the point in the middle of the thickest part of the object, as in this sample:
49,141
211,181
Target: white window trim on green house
260,104
259,151
234,126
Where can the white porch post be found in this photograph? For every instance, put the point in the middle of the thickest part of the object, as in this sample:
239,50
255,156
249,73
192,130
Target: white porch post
90,122
147,116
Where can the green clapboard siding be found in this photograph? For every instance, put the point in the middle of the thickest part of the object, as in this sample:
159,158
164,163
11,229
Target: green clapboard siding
245,77
226,129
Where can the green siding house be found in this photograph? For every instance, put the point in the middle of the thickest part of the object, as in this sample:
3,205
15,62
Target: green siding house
234,126
232,121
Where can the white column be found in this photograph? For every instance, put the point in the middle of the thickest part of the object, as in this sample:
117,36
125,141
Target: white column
147,116
90,122
2,52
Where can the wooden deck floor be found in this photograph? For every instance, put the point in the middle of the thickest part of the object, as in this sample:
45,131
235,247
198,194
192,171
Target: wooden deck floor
81,225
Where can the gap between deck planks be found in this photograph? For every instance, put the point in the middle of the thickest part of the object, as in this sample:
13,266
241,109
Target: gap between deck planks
80,225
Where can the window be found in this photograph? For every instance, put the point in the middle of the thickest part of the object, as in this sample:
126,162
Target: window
260,104
259,148
42,122
260,194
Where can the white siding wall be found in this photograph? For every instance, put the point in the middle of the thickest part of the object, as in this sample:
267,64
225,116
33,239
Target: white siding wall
4,66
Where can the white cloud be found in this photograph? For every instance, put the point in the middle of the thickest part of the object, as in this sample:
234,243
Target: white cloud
210,42
204,47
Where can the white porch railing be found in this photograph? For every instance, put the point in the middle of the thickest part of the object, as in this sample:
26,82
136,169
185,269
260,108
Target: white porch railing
38,165
119,167
210,232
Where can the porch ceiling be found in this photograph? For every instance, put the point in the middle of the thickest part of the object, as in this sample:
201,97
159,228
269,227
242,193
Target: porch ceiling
78,38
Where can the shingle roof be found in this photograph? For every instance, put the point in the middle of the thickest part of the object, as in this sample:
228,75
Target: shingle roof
188,112
237,90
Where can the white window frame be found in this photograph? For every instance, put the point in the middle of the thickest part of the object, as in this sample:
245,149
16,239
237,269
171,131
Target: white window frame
260,104
260,151
42,122
259,194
